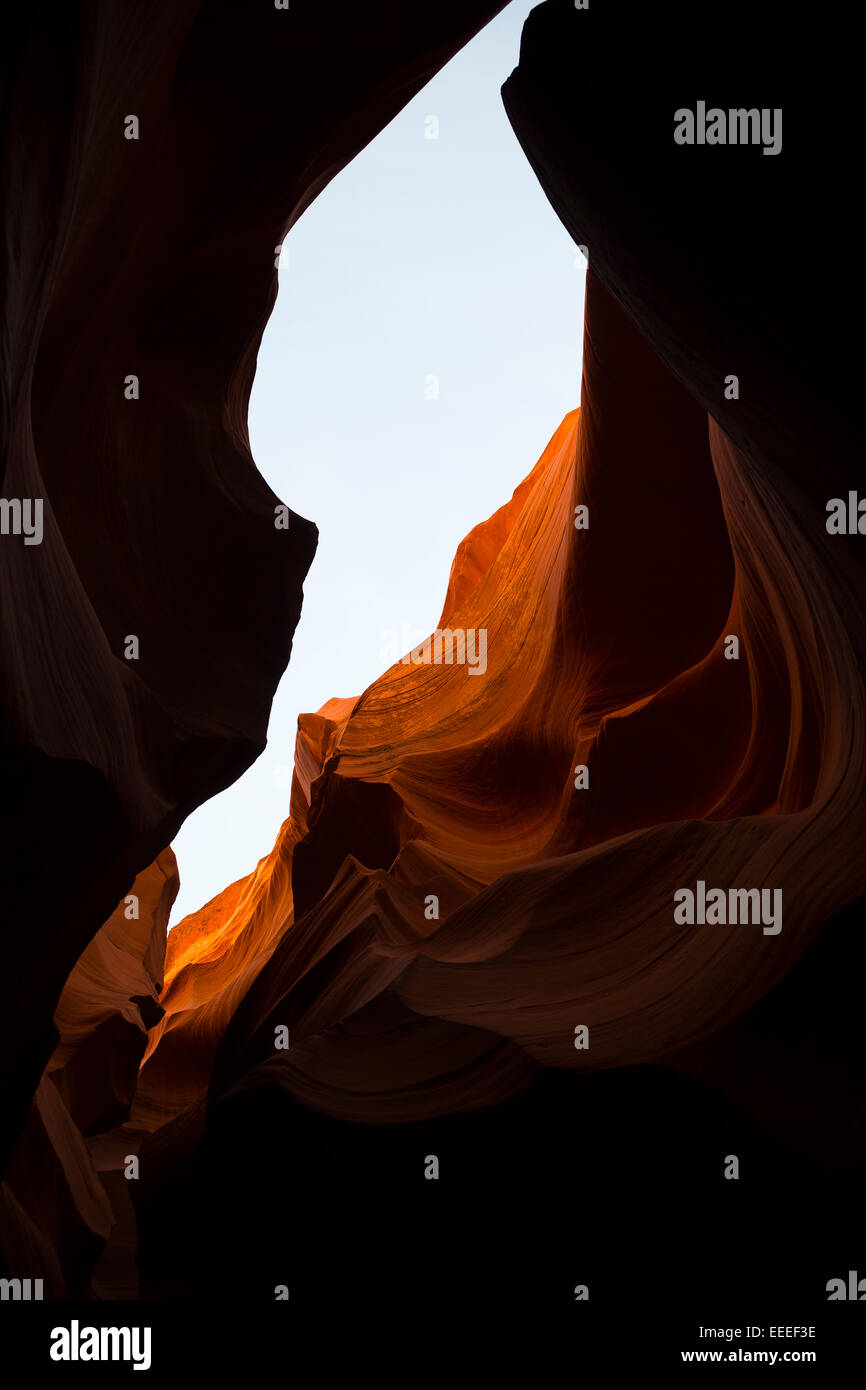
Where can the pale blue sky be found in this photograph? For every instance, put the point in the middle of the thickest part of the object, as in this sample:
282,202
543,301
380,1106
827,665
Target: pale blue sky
422,258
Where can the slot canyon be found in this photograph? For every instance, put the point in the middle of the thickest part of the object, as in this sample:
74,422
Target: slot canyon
248,1100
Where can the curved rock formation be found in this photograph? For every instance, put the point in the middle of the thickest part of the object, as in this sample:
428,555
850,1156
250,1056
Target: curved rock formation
326,977
555,902
153,160
57,1208
482,858
439,783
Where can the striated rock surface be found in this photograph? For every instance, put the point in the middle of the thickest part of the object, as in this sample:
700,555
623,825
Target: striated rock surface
153,158
555,905
57,1209
412,1035
451,898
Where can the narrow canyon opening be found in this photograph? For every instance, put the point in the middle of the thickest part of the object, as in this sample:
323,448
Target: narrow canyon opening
402,407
